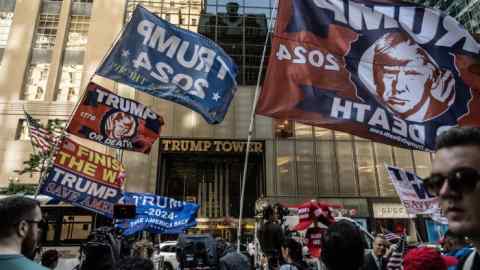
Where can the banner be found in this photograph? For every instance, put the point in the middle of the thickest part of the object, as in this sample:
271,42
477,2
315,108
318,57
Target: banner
168,62
158,214
412,192
392,72
84,178
118,122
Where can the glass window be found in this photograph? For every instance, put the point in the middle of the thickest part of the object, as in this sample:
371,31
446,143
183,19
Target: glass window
78,32
346,170
342,136
70,81
286,179
22,131
403,159
326,167
366,168
423,163
305,168
239,27
7,8
46,32
383,155
323,133
303,131
36,81
72,63
76,227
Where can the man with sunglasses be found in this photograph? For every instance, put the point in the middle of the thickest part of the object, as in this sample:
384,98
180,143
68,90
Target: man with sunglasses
20,229
455,177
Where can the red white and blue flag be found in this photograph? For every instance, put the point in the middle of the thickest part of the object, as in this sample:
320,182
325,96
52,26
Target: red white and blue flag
112,120
389,71
42,139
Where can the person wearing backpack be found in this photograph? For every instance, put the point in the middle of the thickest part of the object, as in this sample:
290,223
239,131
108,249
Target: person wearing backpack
292,255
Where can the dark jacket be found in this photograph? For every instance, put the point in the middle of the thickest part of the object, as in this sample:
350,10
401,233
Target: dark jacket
270,236
370,263
232,260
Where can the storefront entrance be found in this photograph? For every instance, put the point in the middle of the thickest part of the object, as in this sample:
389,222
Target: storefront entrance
212,178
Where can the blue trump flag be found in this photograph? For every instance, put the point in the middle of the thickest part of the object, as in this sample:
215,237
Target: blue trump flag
168,62
158,214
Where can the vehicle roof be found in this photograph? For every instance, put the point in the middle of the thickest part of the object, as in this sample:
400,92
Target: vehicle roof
167,243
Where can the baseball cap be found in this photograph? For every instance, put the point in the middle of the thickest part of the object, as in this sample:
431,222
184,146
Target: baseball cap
305,221
427,258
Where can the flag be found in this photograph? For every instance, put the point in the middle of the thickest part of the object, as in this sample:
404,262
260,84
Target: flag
41,138
389,71
412,192
158,214
85,178
175,64
391,237
115,121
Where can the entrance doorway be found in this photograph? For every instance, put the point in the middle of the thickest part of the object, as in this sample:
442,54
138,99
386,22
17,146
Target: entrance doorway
213,182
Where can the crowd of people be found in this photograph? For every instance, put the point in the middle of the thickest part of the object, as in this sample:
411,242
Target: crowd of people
454,179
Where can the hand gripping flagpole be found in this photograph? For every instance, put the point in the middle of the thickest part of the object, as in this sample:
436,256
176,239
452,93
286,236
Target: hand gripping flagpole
250,129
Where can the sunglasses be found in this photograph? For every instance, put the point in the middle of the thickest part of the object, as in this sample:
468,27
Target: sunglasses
459,180
42,223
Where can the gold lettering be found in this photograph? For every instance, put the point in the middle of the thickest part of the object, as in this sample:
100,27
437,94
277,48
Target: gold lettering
175,146
227,146
109,175
238,146
217,145
195,146
82,151
258,147
63,157
165,144
89,169
76,164
206,145
184,145
100,159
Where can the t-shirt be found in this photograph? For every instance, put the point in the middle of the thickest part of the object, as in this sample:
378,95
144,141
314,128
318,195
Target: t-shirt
18,262
475,263
313,238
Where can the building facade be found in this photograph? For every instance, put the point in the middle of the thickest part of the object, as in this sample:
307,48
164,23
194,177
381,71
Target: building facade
50,49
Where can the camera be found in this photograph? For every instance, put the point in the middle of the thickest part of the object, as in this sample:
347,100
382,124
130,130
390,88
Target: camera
197,252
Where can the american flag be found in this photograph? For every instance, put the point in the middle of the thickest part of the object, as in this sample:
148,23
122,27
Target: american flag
391,237
42,139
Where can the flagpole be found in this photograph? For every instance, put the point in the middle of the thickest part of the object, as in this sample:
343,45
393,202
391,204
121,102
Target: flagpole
250,129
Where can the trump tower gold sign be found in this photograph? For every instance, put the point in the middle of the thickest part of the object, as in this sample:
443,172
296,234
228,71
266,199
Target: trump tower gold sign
210,146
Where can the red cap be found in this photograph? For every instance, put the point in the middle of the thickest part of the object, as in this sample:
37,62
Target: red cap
310,210
426,258
304,214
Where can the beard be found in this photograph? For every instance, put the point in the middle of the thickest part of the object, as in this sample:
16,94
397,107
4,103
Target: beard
29,246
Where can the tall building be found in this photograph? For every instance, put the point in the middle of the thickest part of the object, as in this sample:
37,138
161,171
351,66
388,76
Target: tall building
49,50
467,12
